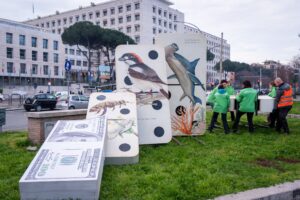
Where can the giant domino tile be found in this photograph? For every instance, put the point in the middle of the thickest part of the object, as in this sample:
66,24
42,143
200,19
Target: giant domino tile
142,69
122,136
187,118
266,104
73,153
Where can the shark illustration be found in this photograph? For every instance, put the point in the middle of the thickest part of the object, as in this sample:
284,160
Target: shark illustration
184,72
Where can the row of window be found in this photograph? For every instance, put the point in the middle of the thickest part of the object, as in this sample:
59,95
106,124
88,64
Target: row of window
90,15
165,13
33,71
165,24
79,63
34,41
34,55
120,20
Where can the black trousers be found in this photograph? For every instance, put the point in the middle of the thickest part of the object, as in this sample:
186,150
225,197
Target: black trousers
249,119
272,118
232,115
281,119
224,121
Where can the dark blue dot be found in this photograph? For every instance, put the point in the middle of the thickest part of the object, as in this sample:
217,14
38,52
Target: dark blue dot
159,131
127,81
124,111
153,55
124,147
101,97
180,110
156,105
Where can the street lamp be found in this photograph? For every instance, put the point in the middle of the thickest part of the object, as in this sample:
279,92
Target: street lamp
188,23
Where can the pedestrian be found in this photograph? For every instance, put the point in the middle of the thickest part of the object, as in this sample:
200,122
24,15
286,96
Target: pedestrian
283,103
212,93
221,105
247,100
230,91
273,115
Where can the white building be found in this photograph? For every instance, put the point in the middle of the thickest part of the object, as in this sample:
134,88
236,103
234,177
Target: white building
29,54
141,20
214,45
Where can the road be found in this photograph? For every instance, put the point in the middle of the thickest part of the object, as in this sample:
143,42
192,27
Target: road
15,121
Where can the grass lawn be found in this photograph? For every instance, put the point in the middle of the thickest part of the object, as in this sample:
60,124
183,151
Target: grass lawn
223,165
296,108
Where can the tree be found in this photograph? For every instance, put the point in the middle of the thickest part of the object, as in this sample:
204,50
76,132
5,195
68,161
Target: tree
84,34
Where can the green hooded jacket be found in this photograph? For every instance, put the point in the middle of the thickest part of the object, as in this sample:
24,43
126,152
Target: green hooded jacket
273,92
230,90
221,101
247,99
210,98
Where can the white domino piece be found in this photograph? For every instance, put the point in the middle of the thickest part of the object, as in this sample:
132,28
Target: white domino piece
122,138
189,48
142,69
69,164
266,104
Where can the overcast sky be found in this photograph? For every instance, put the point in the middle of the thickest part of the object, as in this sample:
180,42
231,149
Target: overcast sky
256,29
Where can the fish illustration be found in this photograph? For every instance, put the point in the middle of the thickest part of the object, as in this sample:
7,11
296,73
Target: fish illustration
108,104
184,72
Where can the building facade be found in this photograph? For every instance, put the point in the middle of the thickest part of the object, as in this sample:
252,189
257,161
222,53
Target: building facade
214,45
29,55
141,20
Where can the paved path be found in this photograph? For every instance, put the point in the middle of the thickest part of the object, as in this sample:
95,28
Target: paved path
15,120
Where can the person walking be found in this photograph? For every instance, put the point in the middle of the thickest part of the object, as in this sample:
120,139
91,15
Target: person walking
230,91
283,103
221,105
273,115
247,102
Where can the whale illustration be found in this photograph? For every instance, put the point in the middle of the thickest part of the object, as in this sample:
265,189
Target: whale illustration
184,71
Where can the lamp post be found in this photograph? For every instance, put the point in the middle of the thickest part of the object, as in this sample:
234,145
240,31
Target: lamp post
188,23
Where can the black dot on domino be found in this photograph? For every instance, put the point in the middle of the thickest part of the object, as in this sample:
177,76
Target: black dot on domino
180,110
125,111
124,147
153,55
101,97
127,81
159,131
156,105
169,94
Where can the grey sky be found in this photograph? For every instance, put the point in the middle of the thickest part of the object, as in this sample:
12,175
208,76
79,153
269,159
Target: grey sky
256,29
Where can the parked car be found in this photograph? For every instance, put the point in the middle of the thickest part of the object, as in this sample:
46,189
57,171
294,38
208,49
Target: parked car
75,102
40,101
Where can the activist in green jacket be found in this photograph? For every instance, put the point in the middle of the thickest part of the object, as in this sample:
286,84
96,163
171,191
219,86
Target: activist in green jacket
221,101
273,90
247,99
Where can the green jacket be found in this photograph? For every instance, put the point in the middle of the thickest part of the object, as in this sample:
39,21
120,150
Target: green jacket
210,98
273,92
221,101
247,99
230,90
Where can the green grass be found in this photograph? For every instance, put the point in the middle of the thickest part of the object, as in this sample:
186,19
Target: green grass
224,164
296,108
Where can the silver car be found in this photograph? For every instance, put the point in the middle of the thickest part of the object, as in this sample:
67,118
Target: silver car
78,102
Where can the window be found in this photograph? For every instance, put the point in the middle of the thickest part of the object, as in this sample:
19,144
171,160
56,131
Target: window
72,62
97,14
71,51
128,29
46,69
154,9
65,21
34,55
154,20
66,50
33,41
170,16
120,20
53,23
159,30
112,11
23,68
128,18
105,12
105,22
58,22
75,98
34,69
9,38
53,30
120,29
83,98
137,6
165,13
55,58
137,28
175,18
9,67
70,20
9,52
154,30
45,44
22,40
175,27
59,31
55,45
48,24
170,26
137,39
159,22
128,8
120,9
78,53
83,17
45,56
159,11
77,18
78,62
165,23
137,17
56,70
22,54
112,21
90,15
84,63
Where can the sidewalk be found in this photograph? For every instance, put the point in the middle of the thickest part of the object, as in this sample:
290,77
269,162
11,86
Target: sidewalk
14,106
